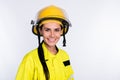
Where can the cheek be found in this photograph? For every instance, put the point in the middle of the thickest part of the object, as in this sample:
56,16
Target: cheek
45,34
58,35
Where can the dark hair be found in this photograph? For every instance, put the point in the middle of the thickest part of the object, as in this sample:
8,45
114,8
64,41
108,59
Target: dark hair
41,56
43,61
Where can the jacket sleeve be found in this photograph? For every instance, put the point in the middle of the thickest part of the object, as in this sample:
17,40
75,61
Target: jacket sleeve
26,69
68,68
70,73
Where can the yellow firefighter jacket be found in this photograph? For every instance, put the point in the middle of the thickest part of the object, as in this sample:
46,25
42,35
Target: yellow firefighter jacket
58,66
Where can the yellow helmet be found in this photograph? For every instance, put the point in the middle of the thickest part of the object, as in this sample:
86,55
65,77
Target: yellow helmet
51,14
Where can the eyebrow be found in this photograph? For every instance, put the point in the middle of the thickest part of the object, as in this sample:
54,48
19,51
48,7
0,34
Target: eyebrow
54,28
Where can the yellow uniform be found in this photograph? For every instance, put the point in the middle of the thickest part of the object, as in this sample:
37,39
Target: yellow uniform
58,66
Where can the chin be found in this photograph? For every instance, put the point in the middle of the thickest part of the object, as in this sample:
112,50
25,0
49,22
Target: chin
50,43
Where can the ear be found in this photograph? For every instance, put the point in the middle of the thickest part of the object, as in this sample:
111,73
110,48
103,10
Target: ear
61,33
61,30
40,31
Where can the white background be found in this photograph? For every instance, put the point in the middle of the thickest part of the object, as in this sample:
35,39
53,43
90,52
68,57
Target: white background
93,41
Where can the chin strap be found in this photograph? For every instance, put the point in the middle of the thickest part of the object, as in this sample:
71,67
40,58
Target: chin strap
64,39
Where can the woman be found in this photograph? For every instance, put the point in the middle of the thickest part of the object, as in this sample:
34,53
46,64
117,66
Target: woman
48,62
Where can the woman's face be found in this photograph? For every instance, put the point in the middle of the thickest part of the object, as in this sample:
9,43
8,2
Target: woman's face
51,33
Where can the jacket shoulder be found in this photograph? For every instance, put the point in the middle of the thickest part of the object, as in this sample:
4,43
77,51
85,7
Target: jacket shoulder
64,54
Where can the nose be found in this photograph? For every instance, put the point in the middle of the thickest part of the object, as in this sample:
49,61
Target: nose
52,34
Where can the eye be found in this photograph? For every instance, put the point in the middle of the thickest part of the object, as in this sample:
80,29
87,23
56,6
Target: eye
57,30
47,29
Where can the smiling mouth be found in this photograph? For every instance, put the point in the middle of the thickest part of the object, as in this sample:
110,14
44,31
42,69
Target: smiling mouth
52,40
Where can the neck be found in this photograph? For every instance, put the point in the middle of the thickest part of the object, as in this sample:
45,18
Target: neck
52,49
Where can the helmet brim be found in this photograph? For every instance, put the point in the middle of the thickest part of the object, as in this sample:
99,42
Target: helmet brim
42,21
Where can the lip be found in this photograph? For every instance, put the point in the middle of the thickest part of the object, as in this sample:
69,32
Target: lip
51,40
